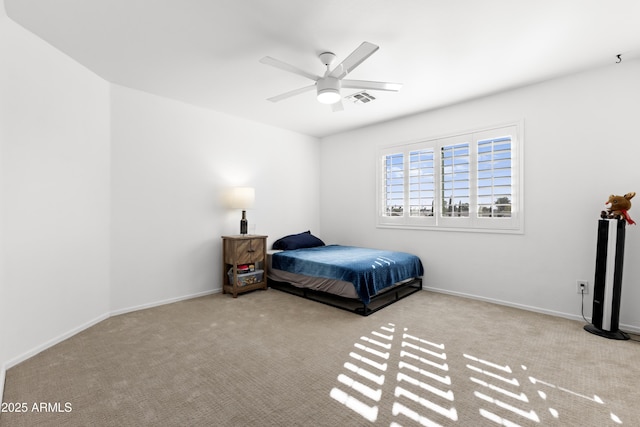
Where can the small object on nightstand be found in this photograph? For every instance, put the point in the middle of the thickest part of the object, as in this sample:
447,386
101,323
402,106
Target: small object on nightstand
244,260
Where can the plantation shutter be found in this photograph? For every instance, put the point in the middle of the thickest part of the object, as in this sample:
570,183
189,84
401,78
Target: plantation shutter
421,183
393,185
495,172
455,178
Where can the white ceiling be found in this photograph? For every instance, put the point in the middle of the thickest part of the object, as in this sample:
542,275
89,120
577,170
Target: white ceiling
206,52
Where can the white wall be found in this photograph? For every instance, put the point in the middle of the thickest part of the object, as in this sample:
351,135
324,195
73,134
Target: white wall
55,194
171,163
580,145
110,197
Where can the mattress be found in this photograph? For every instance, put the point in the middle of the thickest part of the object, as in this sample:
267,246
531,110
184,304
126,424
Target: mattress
348,271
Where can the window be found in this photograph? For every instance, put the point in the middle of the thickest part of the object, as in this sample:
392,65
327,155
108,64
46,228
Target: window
464,182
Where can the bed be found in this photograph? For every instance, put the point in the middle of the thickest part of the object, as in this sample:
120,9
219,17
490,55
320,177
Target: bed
361,280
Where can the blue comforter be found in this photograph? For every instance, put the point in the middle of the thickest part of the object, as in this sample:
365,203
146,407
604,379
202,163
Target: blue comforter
370,270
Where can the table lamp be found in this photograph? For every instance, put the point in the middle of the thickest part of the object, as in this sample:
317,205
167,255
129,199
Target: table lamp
242,198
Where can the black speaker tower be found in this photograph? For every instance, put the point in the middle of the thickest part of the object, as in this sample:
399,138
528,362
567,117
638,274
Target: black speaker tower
608,280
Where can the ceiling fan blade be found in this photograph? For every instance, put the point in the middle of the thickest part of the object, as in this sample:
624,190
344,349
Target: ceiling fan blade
337,106
288,67
364,84
291,93
356,57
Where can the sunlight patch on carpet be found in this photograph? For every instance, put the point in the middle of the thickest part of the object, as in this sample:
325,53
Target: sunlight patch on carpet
424,391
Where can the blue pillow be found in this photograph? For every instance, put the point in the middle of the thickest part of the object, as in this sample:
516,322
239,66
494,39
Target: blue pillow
298,241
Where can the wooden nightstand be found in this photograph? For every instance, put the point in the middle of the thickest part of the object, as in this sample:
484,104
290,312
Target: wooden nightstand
244,250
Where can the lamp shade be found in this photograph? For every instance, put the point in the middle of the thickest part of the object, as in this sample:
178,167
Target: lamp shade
242,197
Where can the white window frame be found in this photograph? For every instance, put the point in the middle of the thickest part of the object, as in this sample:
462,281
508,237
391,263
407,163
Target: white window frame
473,222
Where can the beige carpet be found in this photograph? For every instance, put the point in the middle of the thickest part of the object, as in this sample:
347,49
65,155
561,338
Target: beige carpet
271,359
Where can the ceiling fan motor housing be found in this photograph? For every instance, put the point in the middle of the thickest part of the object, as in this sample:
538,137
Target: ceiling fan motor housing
328,90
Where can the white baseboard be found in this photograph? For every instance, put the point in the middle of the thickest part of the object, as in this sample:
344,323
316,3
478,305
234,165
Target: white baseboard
628,328
163,302
30,353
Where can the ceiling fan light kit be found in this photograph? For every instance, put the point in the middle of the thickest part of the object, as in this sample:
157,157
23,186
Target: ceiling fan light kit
329,85
328,90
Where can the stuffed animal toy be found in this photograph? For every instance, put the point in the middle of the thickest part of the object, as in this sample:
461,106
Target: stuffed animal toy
619,207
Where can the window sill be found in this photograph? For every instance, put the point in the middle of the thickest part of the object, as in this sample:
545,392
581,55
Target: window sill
454,229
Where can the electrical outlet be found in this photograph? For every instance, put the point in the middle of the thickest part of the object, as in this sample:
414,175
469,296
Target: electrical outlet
582,286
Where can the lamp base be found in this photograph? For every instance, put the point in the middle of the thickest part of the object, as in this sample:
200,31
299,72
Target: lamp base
244,224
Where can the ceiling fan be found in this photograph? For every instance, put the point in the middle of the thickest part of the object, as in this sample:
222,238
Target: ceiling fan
328,85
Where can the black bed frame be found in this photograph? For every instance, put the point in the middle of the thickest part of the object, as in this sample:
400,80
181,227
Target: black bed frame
378,302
